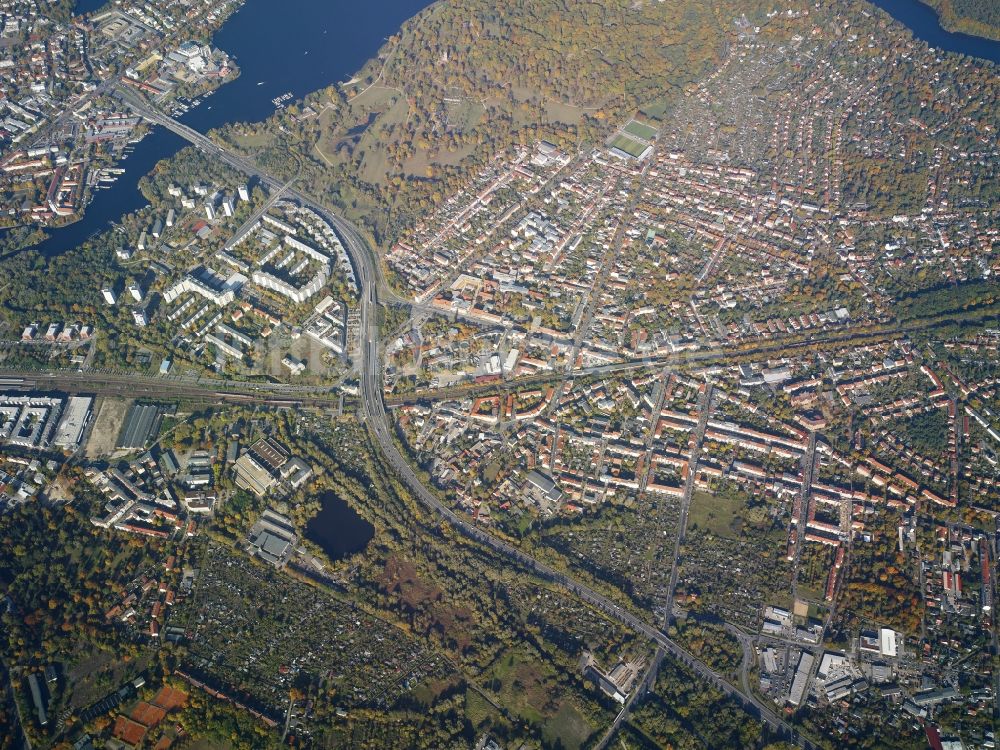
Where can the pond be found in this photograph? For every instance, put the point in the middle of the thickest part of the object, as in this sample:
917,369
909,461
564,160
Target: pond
337,529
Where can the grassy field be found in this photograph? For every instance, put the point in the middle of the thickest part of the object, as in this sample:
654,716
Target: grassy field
628,145
520,683
814,566
716,513
527,688
256,140
640,129
557,111
465,114
809,592
478,710
367,115
568,728
418,164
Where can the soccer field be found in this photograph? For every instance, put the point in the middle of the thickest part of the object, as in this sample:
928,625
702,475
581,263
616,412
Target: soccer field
640,130
628,145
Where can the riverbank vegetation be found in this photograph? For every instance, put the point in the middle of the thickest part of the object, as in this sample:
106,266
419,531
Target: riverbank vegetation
978,17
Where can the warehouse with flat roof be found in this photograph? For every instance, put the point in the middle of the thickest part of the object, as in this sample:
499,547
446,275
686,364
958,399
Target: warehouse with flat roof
74,421
273,537
801,680
142,423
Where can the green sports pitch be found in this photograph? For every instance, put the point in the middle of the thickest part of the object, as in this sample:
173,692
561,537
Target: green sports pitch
628,145
640,130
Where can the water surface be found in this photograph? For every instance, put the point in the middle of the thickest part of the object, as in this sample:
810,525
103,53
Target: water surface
299,46
337,529
923,22
291,46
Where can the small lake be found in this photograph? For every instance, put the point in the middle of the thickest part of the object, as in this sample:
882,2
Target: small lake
80,7
337,529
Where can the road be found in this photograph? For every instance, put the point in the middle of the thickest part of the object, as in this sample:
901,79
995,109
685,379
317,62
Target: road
251,222
728,355
649,677
802,508
697,437
372,286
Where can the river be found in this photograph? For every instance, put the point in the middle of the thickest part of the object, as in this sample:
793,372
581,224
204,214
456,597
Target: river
299,46
291,46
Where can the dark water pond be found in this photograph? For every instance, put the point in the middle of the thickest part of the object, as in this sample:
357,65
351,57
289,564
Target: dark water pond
337,529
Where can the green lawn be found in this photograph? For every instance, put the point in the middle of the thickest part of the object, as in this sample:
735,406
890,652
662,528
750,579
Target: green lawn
478,710
628,145
568,727
557,111
718,514
640,130
465,114
520,684
528,689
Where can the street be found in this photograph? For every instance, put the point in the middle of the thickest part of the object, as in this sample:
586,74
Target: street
372,285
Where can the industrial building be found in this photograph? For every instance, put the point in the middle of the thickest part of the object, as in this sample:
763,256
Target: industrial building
141,424
74,421
272,538
801,680
266,466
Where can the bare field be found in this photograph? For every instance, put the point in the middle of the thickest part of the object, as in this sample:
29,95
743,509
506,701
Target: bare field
110,415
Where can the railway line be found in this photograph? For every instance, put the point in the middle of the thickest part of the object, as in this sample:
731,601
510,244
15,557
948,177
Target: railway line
372,289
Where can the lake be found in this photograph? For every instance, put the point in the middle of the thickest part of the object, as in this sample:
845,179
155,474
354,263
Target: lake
295,46
299,46
337,529
923,22
80,7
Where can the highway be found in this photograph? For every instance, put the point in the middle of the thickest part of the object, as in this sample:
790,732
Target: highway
372,286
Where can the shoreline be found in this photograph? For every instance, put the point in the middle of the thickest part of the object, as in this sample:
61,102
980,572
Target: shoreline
202,89
88,198
960,25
